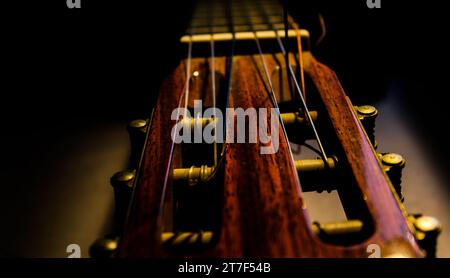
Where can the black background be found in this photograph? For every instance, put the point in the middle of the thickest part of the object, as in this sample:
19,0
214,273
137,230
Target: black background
96,58
309,267
112,51
105,62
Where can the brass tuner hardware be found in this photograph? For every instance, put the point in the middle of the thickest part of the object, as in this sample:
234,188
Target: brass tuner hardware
427,230
339,232
123,179
316,175
337,228
289,119
122,182
393,165
195,175
367,115
139,124
186,239
314,165
196,122
104,247
296,118
137,130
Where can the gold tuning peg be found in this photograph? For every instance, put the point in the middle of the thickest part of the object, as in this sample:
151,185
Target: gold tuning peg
122,182
427,230
367,114
341,233
104,247
184,240
393,165
137,130
311,169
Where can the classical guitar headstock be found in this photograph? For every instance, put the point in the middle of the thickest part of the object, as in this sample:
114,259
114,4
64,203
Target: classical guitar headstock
218,175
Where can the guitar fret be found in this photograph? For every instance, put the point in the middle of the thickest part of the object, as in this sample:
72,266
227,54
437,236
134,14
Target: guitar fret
242,16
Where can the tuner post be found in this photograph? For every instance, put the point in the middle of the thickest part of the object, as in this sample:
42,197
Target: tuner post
367,114
339,232
136,130
393,165
185,240
312,169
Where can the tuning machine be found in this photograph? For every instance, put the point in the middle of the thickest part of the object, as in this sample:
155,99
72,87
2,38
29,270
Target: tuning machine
104,247
367,115
137,130
426,232
310,168
393,165
187,240
426,228
122,182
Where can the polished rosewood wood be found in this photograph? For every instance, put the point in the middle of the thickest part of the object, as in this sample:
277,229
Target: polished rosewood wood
391,228
262,212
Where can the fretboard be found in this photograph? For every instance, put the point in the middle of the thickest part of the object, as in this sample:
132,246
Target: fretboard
233,16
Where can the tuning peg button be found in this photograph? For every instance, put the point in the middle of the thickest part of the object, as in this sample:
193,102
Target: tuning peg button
427,231
367,114
104,247
122,182
393,165
137,130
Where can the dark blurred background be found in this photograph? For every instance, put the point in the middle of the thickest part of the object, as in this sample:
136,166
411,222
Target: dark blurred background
72,79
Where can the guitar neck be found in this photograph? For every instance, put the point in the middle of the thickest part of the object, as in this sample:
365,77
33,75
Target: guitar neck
229,198
223,22
212,17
